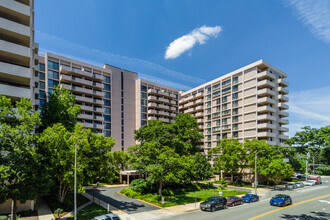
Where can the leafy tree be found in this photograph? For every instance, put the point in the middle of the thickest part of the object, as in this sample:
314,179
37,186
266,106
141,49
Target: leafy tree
121,159
167,152
22,176
93,156
61,108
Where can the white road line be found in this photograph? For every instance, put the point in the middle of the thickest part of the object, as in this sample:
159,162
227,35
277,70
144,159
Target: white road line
324,201
311,189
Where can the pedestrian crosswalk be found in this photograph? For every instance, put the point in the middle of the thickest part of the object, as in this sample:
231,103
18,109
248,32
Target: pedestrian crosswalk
311,188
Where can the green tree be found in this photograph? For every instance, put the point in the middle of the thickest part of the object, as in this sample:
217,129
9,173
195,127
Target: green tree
61,108
22,176
93,156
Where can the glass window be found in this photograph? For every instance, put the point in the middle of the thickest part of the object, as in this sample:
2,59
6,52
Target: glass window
209,90
226,82
41,67
107,133
143,88
107,79
216,93
224,106
235,119
235,96
235,80
53,74
107,110
107,118
41,85
208,97
226,89
235,88
107,95
143,116
144,95
50,91
53,65
107,87
216,86
41,76
41,102
42,94
107,102
224,121
208,104
143,122
218,101
235,103
52,83
224,99
144,102
143,109
235,111
107,125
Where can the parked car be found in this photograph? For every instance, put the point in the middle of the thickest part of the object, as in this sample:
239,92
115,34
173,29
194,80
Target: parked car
290,186
318,179
309,183
281,200
250,198
301,176
299,184
107,217
213,203
234,200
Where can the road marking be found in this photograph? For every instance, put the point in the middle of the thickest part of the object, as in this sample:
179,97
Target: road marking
311,189
275,210
324,201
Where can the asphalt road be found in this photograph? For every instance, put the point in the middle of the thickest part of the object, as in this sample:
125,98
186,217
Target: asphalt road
309,202
126,204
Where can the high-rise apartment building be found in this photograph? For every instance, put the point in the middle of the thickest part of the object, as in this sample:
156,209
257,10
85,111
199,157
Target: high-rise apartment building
17,49
244,104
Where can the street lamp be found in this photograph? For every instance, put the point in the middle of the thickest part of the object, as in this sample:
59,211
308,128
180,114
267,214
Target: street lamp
75,180
308,155
255,170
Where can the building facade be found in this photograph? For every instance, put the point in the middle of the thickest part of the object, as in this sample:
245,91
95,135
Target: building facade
247,103
18,51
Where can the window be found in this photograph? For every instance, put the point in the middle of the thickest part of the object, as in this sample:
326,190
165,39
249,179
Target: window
235,103
235,134
143,122
107,133
216,114
107,102
41,76
235,80
226,89
143,88
218,101
224,135
41,67
218,122
208,97
107,125
224,121
235,88
209,90
50,91
107,110
224,106
144,95
208,124
143,109
226,82
107,118
224,99
143,116
235,96
42,94
107,79
53,75
107,95
216,86
107,87
208,111
235,111
226,112
41,85
41,103
235,119
217,108
216,93
53,65
144,102
52,83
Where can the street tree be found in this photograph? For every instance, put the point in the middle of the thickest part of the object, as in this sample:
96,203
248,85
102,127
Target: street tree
22,176
61,108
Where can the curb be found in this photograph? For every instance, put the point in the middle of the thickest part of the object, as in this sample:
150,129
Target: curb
141,201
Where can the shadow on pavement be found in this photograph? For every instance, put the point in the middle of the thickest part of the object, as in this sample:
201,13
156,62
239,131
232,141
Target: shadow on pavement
312,216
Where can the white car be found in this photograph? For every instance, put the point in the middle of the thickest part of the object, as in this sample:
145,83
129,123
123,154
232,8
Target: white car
107,217
309,183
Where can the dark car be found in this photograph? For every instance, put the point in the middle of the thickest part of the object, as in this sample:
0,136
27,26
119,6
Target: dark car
213,203
281,200
234,200
301,177
250,198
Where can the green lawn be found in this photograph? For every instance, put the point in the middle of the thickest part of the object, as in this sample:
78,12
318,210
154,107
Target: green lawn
90,212
179,199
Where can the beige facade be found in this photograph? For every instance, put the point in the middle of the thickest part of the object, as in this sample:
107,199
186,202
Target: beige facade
17,49
244,104
155,101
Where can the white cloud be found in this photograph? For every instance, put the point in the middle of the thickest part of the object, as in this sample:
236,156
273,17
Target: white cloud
89,55
309,108
186,42
315,14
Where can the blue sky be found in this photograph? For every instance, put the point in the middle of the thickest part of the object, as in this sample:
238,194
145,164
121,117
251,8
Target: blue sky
209,39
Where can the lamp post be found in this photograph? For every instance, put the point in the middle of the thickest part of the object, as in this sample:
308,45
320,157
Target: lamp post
75,181
308,155
255,170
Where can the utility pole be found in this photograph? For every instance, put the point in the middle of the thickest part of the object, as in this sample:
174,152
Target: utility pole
308,155
313,166
255,175
75,181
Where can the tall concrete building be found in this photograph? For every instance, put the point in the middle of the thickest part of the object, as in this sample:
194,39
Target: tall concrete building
17,49
244,104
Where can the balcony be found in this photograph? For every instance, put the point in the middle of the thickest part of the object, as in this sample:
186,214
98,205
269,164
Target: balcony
266,75
17,7
266,92
266,134
85,116
193,97
266,118
284,129
283,90
195,109
15,53
266,126
152,118
15,30
84,99
199,114
193,103
87,125
266,83
283,114
86,108
266,100
283,106
266,109
283,98
166,120
200,120
15,91
98,126
283,82
283,137
271,142
74,71
15,73
283,121
98,118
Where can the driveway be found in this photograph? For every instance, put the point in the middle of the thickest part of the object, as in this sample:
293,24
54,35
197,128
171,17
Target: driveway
126,204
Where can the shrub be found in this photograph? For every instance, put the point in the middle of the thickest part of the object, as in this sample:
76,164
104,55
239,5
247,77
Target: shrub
271,183
168,192
140,185
130,193
4,217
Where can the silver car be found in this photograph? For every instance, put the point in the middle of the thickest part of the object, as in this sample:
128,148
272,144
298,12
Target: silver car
107,217
310,183
299,184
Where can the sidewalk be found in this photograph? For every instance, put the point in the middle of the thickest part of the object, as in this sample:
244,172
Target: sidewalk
44,212
107,186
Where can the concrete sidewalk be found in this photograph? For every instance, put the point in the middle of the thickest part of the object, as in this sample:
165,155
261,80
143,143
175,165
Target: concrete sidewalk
44,212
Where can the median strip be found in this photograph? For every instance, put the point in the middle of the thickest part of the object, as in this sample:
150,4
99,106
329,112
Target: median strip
275,210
